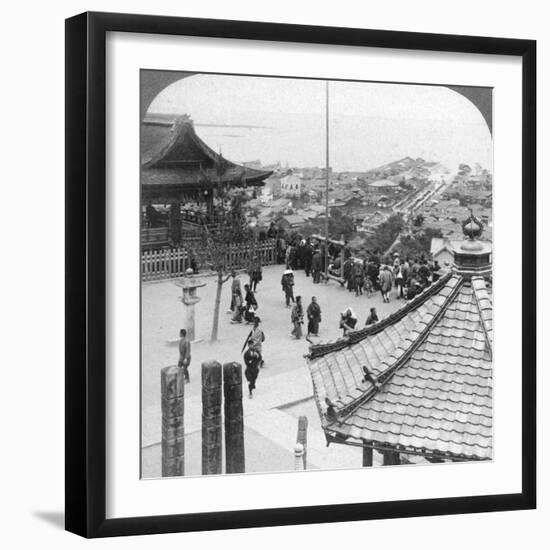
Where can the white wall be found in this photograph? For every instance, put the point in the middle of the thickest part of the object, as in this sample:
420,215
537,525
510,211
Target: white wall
31,387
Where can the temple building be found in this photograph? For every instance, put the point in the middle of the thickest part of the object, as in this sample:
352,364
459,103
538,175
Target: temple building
419,382
176,165
179,170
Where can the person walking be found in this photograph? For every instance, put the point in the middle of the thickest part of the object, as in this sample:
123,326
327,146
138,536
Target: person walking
257,337
185,354
297,318
313,317
372,318
252,360
386,282
287,283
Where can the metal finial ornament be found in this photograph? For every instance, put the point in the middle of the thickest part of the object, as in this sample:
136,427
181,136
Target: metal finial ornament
472,227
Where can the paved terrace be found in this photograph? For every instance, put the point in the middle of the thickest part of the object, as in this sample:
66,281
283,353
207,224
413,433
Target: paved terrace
284,389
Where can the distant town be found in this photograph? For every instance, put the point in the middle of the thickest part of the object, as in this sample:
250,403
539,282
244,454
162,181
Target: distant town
421,191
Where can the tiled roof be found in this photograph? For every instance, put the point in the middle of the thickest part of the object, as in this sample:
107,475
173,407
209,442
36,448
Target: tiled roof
177,157
432,363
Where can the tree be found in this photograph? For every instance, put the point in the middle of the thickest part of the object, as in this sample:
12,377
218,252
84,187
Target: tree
385,234
230,229
418,220
418,244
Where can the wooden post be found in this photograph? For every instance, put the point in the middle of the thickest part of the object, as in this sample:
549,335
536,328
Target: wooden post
173,435
390,458
233,409
367,456
301,437
211,418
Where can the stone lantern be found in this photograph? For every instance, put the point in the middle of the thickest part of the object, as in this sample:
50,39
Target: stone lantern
189,298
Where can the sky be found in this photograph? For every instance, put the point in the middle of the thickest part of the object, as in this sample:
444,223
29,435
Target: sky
283,119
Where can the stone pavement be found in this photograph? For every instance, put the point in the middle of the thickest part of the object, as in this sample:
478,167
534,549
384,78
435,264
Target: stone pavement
284,388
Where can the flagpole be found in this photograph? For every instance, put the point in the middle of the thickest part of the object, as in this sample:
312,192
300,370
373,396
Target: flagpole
327,182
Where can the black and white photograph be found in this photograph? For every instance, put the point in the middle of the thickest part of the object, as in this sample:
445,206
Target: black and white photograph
316,274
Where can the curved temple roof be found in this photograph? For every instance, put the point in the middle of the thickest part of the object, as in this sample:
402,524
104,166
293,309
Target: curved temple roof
428,385
174,158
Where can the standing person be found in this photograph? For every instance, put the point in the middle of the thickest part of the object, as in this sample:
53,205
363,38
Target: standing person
185,354
348,273
300,250
287,283
255,273
396,260
316,266
257,337
358,276
374,272
280,249
399,279
313,317
272,231
424,273
252,360
308,256
406,271
386,282
235,287
369,285
237,316
372,318
288,253
297,318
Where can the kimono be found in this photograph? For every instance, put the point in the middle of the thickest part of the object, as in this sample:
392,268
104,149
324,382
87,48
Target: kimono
314,318
252,360
235,287
258,337
287,283
237,316
316,266
297,318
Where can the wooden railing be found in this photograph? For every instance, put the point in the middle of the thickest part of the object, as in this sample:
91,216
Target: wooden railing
171,263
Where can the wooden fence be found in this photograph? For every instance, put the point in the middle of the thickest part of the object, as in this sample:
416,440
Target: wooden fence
172,262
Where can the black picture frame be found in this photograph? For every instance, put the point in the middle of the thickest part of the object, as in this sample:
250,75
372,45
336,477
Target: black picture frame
86,273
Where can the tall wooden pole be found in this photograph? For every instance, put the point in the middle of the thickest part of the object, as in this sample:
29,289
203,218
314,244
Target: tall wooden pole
211,418
173,435
327,182
233,409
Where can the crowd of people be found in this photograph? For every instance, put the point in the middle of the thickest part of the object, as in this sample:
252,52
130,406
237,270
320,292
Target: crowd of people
407,275
366,274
